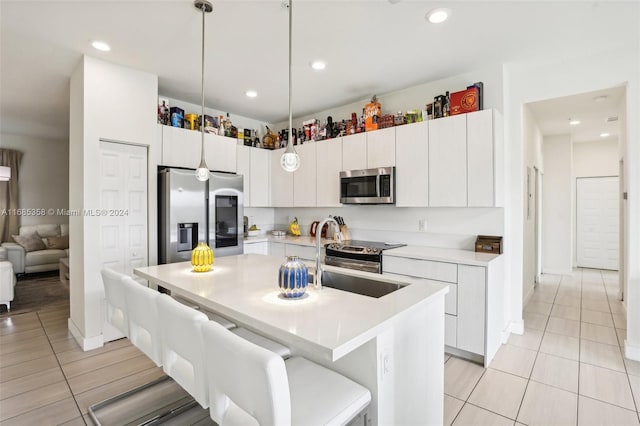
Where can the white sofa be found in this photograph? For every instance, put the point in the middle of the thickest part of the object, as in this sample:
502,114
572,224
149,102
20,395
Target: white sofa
7,280
39,260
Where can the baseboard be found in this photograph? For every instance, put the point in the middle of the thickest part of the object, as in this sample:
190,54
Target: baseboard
631,351
85,344
515,327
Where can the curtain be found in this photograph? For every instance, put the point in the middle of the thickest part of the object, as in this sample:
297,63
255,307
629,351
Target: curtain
9,194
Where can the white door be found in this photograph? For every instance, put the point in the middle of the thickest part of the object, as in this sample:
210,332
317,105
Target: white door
597,222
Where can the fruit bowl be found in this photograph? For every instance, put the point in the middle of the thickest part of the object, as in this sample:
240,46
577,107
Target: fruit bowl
253,233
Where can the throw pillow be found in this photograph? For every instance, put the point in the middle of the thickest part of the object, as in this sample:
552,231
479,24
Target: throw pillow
59,243
30,242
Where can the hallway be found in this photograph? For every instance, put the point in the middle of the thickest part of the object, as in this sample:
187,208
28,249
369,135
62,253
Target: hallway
566,369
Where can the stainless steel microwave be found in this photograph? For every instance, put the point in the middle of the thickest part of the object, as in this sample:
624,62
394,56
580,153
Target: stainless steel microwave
370,186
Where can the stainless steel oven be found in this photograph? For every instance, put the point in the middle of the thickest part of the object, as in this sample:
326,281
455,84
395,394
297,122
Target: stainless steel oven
369,186
359,255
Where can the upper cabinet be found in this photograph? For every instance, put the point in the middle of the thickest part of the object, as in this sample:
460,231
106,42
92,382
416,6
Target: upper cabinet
381,148
354,152
328,165
412,165
182,148
260,179
243,167
448,162
304,179
281,182
483,149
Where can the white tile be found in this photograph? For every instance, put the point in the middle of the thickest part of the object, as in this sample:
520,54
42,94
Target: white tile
555,371
446,357
544,295
602,355
597,413
514,360
538,308
475,416
616,307
562,346
546,406
633,367
460,377
535,321
452,407
591,293
566,312
530,339
546,279
635,388
600,305
605,385
598,333
595,317
563,326
620,321
622,335
567,300
499,392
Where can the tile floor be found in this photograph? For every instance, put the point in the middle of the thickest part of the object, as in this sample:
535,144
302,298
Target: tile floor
566,369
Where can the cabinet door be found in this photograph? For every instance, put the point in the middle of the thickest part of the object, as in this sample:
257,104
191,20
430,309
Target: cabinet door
220,153
328,165
276,249
256,248
303,252
412,165
281,182
448,162
304,179
180,147
450,329
381,148
260,177
480,151
354,152
471,306
243,167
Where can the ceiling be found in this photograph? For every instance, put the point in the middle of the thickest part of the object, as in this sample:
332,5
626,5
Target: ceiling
592,109
370,46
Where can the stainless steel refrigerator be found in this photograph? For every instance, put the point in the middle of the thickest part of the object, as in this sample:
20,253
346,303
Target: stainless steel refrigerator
190,211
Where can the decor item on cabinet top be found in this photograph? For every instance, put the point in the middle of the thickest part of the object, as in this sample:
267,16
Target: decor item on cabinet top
177,117
290,160
202,258
468,100
163,111
202,172
372,111
293,278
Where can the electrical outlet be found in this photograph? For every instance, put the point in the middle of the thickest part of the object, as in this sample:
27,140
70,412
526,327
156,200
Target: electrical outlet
422,225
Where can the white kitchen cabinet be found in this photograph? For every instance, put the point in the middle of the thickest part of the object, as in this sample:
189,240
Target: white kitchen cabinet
260,177
220,152
381,148
251,247
276,249
281,182
448,162
482,147
303,252
412,165
328,167
471,308
304,179
354,152
243,167
450,330
180,147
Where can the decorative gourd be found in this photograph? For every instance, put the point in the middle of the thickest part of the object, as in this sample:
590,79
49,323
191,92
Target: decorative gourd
202,258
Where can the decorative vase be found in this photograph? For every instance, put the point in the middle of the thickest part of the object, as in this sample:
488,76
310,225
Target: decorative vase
202,258
293,278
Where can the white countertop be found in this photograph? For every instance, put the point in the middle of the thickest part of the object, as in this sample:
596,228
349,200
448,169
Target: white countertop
466,257
244,288
287,239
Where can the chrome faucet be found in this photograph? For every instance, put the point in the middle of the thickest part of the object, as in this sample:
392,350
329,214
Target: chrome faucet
318,277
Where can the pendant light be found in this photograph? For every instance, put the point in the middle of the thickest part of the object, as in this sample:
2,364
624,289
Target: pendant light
290,161
202,172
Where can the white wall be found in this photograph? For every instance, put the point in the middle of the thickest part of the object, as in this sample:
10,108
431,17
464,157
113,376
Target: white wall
416,97
44,176
532,139
113,103
591,159
557,195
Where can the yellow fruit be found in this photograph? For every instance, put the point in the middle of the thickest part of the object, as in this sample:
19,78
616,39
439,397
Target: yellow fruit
294,227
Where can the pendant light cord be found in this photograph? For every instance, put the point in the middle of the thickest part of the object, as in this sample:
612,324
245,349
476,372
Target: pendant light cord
290,79
202,120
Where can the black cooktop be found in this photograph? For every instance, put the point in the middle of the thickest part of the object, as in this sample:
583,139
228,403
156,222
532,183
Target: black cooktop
364,244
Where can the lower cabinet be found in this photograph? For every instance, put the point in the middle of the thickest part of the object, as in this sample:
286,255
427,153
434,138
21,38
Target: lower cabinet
303,252
276,249
261,247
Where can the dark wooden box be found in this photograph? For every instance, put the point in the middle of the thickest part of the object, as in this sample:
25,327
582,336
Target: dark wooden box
489,244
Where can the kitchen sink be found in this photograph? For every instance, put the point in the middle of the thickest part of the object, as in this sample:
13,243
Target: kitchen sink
358,285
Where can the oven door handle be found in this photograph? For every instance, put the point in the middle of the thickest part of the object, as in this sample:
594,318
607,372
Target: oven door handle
359,265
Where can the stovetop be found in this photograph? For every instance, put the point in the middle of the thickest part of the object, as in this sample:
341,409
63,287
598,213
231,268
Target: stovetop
359,246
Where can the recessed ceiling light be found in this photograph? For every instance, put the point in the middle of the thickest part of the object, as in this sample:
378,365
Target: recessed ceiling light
251,93
318,65
574,122
437,16
600,98
604,135
101,45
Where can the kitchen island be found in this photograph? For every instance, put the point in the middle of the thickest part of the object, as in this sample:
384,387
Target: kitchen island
393,345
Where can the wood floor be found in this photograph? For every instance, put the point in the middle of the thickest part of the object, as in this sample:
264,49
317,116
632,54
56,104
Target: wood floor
46,379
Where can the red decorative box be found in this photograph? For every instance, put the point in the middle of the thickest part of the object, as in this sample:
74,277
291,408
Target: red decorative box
464,101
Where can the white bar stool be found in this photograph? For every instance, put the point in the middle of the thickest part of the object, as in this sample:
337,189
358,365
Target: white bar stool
251,385
144,328
182,353
116,298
